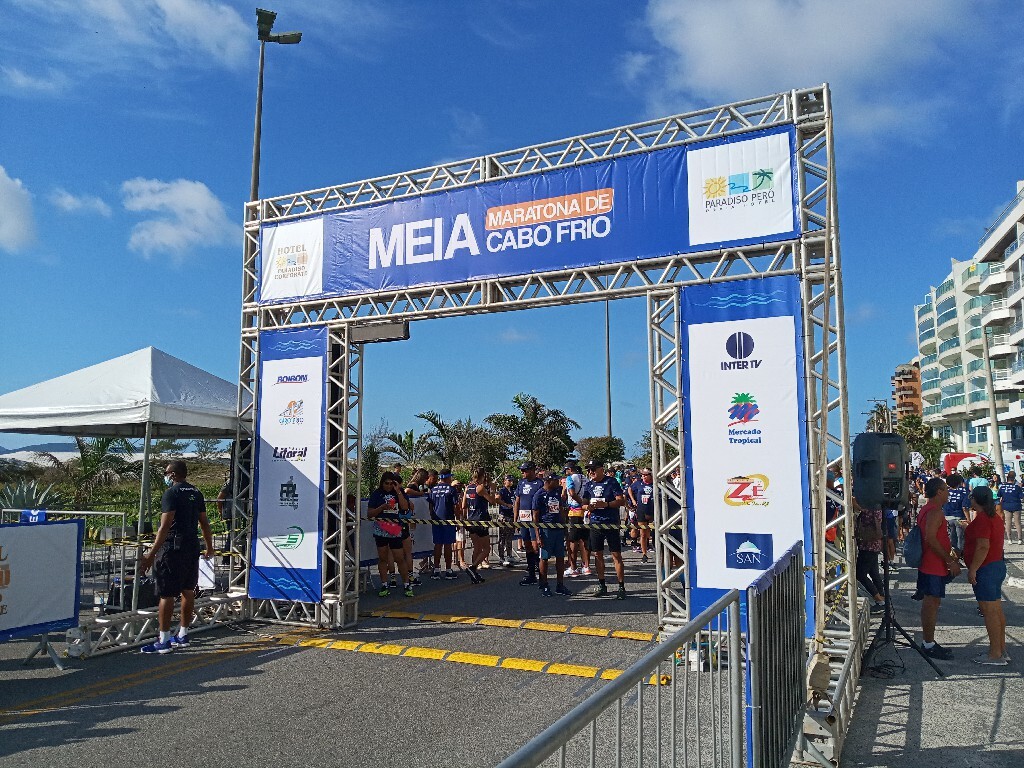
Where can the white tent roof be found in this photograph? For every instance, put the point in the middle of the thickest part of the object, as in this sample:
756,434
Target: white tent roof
118,397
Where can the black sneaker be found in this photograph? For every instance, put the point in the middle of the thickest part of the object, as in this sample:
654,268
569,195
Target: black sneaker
474,575
938,652
527,581
561,590
620,593
415,581
600,591
644,559
545,591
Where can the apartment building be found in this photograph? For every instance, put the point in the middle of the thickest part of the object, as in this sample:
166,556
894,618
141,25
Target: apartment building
906,390
982,295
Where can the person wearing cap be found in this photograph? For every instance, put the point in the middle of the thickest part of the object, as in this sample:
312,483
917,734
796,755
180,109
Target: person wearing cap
506,532
522,511
602,497
549,509
444,502
576,535
641,493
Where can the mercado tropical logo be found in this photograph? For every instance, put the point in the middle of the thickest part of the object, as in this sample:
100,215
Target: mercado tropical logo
747,188
743,409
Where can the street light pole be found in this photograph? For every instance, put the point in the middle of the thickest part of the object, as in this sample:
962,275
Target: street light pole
264,25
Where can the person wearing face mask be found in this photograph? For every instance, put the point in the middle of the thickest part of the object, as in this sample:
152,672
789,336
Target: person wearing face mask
174,555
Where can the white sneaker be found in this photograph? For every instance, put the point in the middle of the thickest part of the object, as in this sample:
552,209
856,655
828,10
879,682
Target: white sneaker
568,571
586,570
506,563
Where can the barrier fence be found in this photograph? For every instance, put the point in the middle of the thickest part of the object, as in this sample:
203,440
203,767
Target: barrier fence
702,696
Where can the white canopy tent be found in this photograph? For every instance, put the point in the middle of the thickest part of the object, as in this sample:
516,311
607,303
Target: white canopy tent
147,394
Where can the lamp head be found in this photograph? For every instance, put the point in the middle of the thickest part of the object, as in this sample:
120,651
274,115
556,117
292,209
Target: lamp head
285,38
264,23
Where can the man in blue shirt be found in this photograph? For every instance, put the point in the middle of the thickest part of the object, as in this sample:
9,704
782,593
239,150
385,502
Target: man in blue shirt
549,508
955,510
641,494
1010,494
444,502
602,497
522,512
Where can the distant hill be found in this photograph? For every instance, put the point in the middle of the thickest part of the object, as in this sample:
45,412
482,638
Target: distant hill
48,447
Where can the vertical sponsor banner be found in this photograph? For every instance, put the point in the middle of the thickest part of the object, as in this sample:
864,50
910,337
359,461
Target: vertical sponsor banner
288,504
746,447
292,260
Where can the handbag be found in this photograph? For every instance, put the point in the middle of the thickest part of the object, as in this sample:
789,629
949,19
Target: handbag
388,529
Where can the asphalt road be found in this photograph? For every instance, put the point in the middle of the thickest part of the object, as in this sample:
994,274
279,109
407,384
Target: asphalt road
267,695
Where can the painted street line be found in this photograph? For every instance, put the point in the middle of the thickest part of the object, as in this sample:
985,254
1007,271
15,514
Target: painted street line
539,626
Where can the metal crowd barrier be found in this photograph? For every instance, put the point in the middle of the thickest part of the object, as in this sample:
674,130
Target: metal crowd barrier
702,696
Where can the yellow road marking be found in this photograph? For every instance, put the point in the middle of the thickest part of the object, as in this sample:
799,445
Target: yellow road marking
513,623
527,665
573,670
592,631
626,634
543,626
385,648
480,659
424,653
539,626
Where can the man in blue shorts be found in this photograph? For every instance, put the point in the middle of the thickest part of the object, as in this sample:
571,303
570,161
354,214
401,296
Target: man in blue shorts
955,511
549,508
522,512
641,493
444,503
602,497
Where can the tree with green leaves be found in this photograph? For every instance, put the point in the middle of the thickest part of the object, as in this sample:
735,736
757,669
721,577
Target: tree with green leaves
444,438
932,450
536,432
407,447
879,419
604,449
102,462
913,429
206,449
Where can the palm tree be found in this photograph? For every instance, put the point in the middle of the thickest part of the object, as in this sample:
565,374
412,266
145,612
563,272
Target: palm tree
406,447
443,439
932,450
537,432
102,462
879,419
912,429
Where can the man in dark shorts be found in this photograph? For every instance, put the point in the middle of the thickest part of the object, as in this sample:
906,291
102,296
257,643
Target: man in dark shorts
522,512
549,508
174,555
602,497
444,503
641,493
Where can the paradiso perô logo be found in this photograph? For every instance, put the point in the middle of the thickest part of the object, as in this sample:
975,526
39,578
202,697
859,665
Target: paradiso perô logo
755,187
747,491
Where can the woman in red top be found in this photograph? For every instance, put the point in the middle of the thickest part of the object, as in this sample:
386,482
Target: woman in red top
986,570
938,565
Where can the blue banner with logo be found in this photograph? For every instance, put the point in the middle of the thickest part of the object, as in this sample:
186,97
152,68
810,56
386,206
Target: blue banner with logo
288,499
733,191
745,426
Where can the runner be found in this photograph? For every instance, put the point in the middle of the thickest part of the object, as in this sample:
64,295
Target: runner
1011,497
383,507
477,511
603,497
641,493
523,514
549,508
444,503
506,532
576,537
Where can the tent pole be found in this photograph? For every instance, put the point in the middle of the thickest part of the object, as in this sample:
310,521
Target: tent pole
143,513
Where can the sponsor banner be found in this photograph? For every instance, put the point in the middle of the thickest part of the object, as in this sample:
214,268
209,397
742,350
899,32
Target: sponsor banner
39,577
746,475
292,259
638,207
288,499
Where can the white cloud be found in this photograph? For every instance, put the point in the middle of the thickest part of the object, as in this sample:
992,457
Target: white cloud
52,83
189,217
515,336
17,221
212,28
467,129
69,203
866,50
633,65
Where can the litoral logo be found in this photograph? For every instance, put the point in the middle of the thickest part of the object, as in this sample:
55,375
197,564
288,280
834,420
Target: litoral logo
289,494
743,411
740,346
301,378
748,551
747,491
288,453
292,414
289,540
747,188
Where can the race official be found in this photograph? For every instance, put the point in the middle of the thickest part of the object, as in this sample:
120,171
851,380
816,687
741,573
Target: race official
174,555
603,498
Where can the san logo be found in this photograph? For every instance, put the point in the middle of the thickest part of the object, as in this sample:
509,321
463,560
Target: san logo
747,491
748,551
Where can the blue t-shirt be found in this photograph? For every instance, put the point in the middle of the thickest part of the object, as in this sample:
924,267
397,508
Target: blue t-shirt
1011,496
974,482
508,497
548,505
606,490
526,490
959,500
379,497
643,493
443,500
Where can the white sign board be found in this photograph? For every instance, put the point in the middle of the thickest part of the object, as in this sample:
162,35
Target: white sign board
292,258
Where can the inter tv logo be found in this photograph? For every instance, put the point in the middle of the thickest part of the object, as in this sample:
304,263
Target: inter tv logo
740,346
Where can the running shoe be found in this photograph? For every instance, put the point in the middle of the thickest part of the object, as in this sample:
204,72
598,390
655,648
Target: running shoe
620,593
528,580
484,565
435,574
990,662
408,591
644,559
506,563
180,642
545,591
450,574
570,571
384,592
600,590
586,570
474,575
158,647
938,652
561,590
415,581
393,582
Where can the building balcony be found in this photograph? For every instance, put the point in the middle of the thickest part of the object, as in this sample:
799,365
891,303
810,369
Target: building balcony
926,342
951,406
1002,381
1017,372
1015,292
926,361
1015,332
973,342
970,279
947,324
1003,227
998,313
1014,251
924,310
999,346
932,413
949,352
996,279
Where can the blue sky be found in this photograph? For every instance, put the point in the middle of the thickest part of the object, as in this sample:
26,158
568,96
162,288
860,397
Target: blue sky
126,140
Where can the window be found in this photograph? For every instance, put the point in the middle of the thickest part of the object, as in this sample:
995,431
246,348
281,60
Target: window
978,434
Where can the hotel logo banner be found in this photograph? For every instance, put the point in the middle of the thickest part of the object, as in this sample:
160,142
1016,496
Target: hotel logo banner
734,191
288,509
746,476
